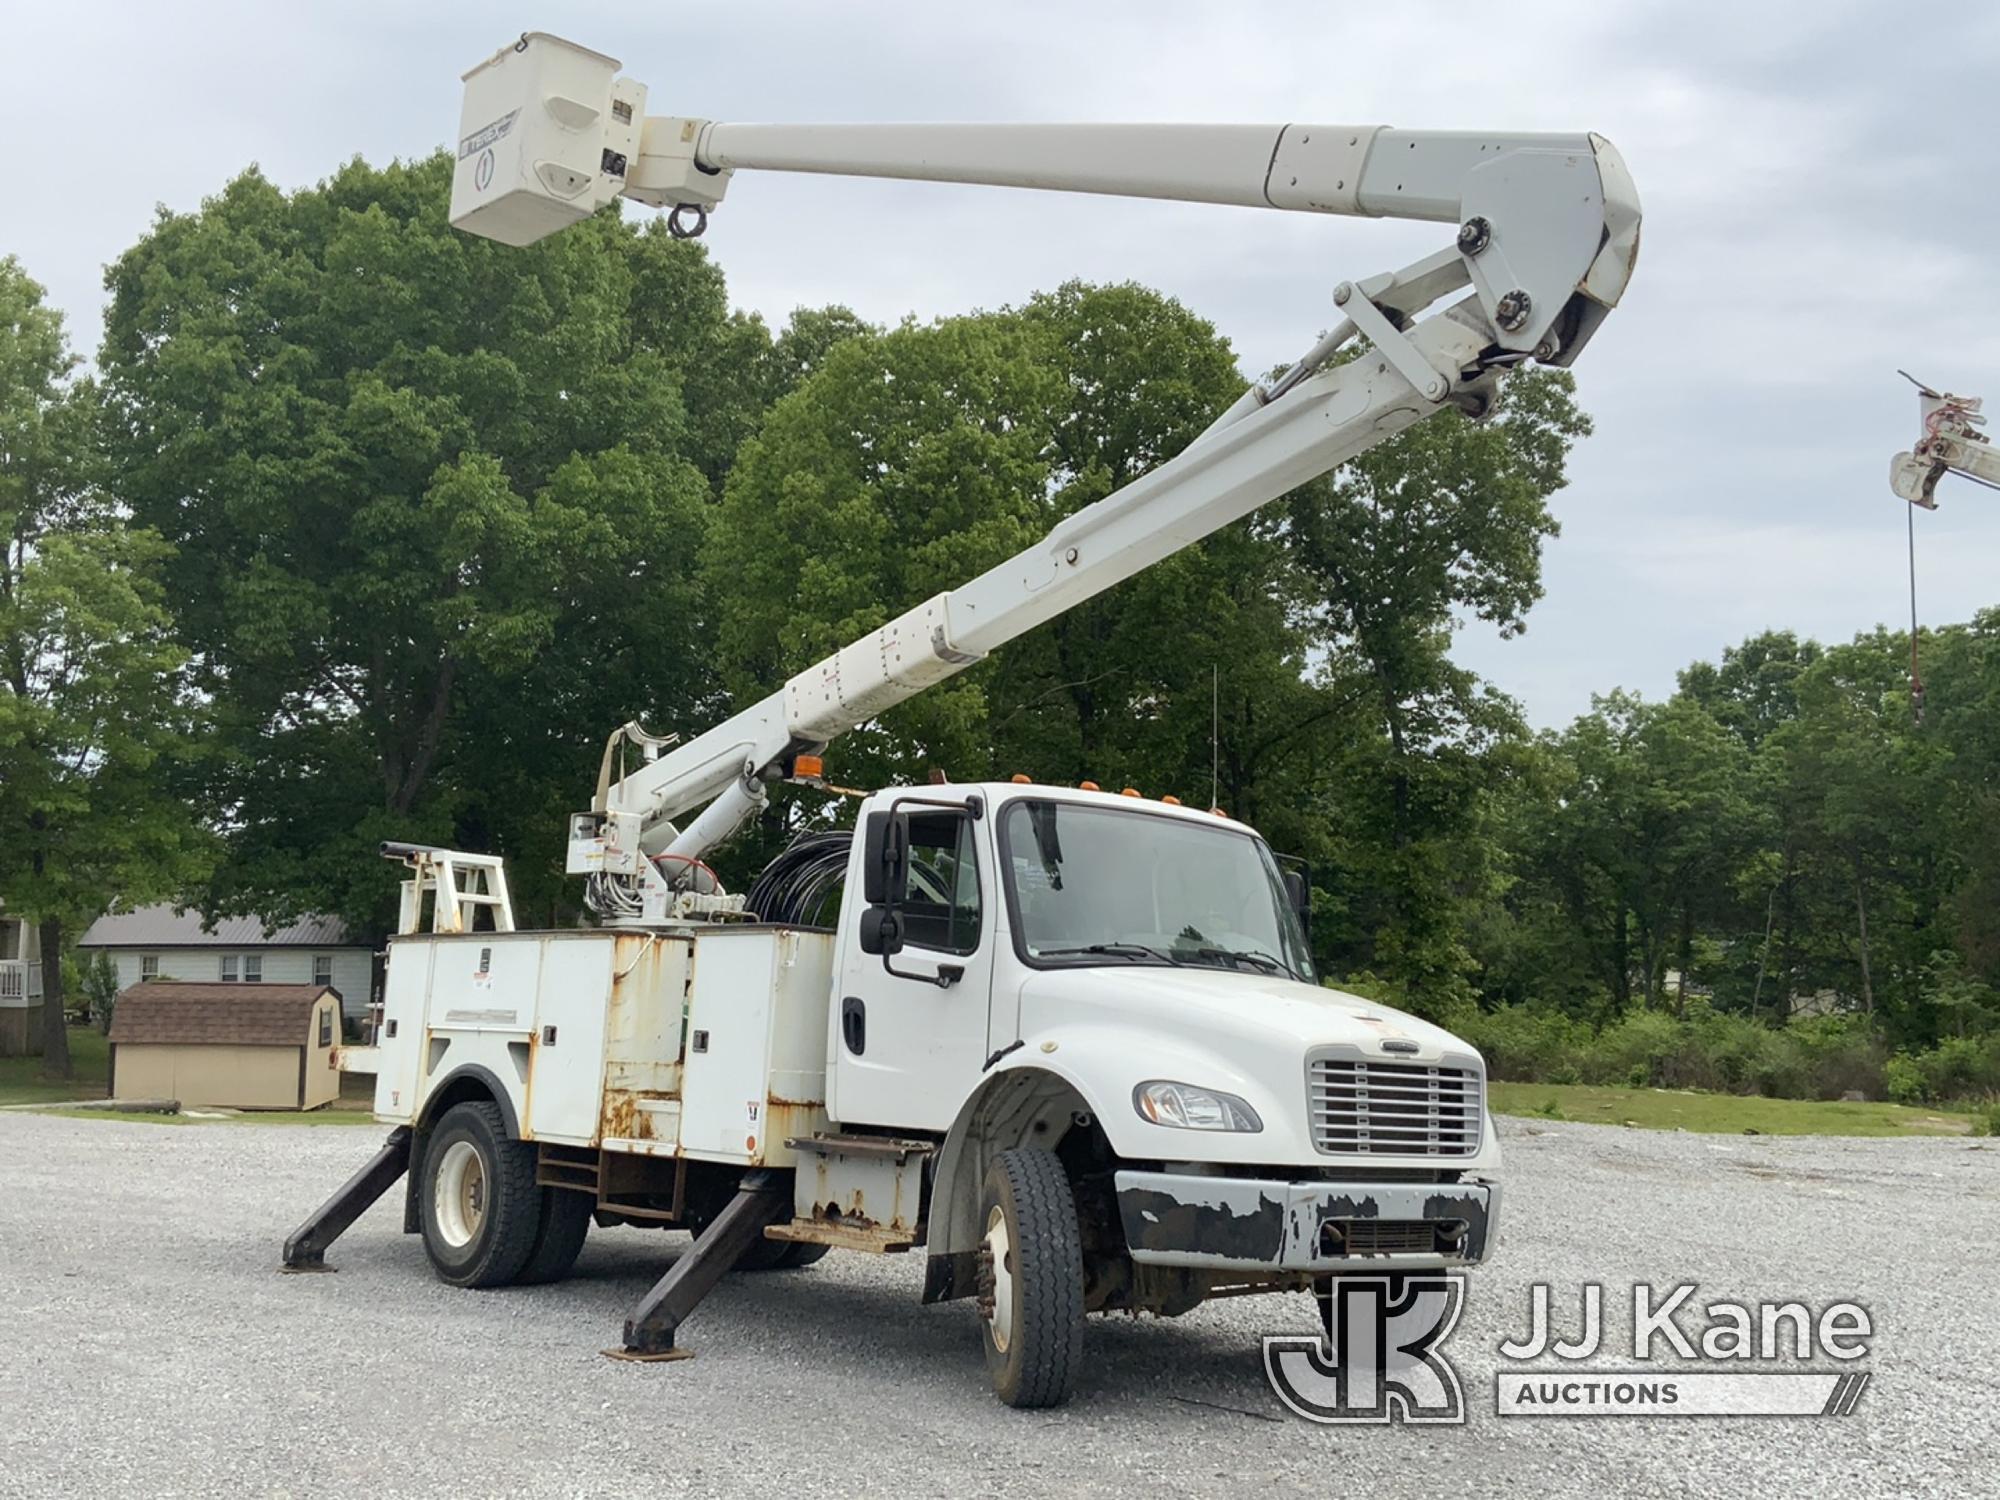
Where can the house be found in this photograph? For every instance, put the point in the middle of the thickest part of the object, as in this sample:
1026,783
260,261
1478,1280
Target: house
20,987
158,942
242,1046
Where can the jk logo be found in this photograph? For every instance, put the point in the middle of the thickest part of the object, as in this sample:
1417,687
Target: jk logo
1379,1360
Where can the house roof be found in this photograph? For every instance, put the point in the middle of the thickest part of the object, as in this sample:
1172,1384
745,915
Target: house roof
242,1015
164,927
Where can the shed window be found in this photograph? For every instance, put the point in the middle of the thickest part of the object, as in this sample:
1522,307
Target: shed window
253,968
326,1026
323,968
149,966
229,974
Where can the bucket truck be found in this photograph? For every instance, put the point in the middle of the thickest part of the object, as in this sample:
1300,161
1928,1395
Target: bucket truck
1066,1045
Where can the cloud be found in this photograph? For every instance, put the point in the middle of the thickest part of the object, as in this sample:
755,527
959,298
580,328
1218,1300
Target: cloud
1813,175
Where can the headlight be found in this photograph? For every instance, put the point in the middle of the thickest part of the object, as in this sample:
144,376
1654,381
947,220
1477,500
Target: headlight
1185,1107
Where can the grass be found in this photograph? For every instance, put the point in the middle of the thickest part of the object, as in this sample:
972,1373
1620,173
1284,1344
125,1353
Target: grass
90,1054
331,1115
21,1081
1722,1114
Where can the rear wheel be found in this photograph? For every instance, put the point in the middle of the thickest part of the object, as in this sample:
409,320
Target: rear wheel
1030,1279
480,1209
565,1224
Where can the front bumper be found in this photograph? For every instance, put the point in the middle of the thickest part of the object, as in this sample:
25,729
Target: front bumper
1235,1223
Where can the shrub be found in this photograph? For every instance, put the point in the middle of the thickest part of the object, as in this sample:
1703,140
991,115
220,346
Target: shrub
99,984
1824,1057
1957,1068
1524,1044
1903,1080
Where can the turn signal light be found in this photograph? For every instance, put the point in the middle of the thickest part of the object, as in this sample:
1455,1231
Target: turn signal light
808,765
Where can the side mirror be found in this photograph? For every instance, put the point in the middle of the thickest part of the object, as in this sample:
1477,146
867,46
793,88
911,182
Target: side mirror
881,930
1299,893
885,859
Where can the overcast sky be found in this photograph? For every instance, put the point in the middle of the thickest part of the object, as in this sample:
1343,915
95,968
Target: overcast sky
1819,183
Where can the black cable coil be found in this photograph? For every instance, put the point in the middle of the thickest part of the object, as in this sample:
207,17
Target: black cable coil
795,885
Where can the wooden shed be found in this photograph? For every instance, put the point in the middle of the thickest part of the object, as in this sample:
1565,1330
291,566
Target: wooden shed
241,1046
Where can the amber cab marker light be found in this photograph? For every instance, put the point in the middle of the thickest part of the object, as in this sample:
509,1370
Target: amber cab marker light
1171,801
1088,786
808,765
1130,791
1019,780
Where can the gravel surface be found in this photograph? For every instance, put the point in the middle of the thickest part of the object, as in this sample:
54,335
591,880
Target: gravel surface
150,1347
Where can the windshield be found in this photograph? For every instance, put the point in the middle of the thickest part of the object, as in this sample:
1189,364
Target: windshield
1101,885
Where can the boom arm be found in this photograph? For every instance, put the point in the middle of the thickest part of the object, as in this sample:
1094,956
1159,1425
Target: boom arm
1547,235
1951,444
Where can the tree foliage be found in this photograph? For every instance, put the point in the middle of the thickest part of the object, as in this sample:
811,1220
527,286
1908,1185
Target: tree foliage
436,507
95,720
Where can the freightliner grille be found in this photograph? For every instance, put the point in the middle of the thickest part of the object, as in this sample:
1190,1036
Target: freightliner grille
1361,1107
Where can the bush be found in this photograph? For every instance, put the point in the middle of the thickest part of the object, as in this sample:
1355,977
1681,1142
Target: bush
99,984
1824,1057
1958,1068
1524,1044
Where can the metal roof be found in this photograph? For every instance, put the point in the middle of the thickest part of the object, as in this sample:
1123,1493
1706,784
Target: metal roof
163,926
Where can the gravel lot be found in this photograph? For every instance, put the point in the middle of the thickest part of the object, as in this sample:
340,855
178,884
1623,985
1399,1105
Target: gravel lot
150,1348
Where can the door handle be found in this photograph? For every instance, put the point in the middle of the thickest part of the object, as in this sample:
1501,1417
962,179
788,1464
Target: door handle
854,1024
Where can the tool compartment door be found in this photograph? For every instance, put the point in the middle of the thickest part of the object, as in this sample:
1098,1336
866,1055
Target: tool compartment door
399,1045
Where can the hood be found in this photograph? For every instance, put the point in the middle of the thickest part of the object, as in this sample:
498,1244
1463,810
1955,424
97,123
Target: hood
1253,1008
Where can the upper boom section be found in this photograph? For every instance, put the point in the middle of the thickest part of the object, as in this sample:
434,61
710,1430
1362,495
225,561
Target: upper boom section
1546,234
549,133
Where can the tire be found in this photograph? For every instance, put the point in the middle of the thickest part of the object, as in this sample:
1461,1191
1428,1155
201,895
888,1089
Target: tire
1030,1279
778,1255
480,1209
763,1255
565,1224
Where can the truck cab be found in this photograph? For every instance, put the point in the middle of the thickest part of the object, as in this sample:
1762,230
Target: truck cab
1140,970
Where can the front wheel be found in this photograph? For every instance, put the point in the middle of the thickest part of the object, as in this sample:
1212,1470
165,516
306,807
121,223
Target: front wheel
1030,1279
480,1208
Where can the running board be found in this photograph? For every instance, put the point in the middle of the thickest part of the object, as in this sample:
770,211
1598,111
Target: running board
842,1235
306,1249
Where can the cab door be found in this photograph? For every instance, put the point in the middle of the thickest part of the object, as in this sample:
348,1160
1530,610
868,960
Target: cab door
907,1047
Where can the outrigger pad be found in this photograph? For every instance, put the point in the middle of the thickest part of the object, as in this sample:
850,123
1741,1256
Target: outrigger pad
762,1199
634,1356
306,1249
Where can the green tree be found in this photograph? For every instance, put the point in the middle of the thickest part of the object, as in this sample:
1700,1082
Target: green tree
93,707
436,506
909,461
1445,521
